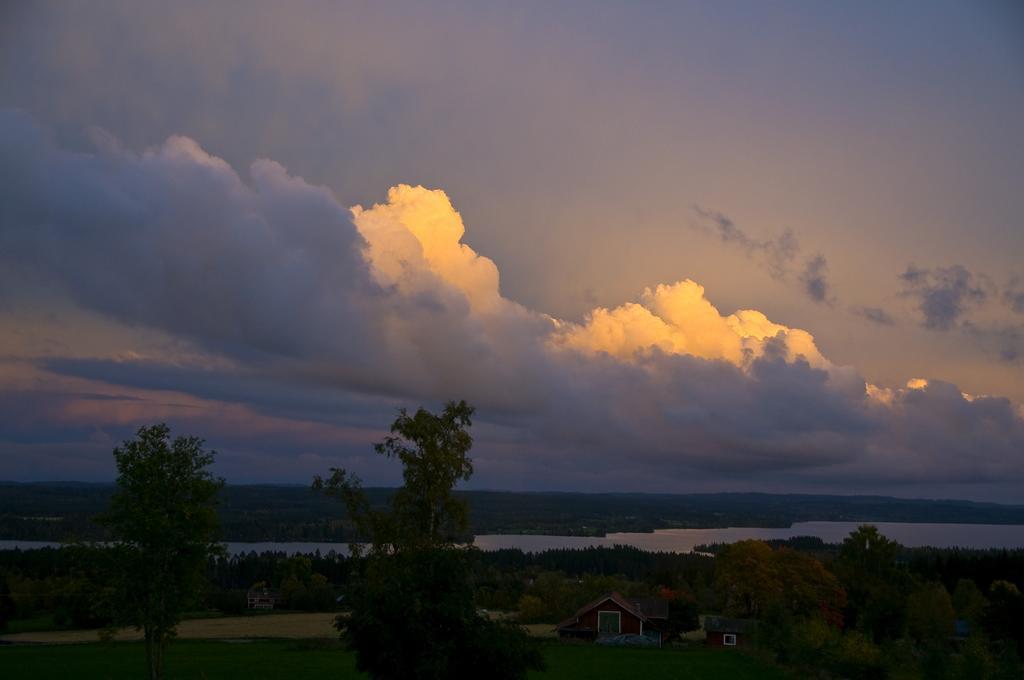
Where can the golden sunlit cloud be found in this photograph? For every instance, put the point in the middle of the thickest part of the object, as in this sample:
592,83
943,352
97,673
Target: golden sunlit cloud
418,231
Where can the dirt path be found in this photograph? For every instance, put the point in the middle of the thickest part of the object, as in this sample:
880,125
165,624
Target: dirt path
267,626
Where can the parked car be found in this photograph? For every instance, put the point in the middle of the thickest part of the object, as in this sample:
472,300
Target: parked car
627,640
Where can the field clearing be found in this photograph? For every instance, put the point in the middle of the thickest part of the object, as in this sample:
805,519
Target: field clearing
297,626
272,659
288,626
541,630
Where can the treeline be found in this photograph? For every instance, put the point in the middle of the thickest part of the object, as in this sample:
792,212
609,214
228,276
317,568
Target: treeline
67,582
59,512
947,565
870,608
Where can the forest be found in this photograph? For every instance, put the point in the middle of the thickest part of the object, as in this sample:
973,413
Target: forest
864,608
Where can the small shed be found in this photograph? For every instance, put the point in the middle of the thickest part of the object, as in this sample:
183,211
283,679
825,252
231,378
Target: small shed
613,614
725,632
262,598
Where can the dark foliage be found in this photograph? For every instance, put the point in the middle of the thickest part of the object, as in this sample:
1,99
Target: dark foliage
413,616
413,613
163,519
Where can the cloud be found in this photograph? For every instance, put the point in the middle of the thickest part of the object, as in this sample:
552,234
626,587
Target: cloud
814,279
1013,295
678,319
949,297
875,315
963,438
777,255
1004,341
301,321
173,238
944,294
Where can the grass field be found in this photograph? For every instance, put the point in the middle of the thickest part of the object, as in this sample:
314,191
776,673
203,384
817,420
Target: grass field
268,659
294,626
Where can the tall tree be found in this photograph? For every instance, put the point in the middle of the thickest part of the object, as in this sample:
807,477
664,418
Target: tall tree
413,612
163,518
433,450
876,588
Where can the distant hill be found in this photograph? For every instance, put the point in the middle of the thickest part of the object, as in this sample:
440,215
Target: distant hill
63,511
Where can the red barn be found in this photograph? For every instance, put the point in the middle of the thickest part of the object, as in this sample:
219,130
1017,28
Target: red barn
613,614
262,598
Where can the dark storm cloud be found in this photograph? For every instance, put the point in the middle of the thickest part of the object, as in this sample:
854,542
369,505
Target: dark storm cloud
175,239
958,439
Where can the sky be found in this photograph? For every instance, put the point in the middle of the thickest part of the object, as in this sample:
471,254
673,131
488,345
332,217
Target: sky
665,247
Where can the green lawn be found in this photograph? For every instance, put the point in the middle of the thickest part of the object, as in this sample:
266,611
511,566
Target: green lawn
588,662
35,624
287,660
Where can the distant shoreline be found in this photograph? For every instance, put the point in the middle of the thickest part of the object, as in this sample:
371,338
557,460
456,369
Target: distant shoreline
264,513
908,534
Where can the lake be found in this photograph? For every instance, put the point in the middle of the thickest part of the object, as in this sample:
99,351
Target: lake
683,540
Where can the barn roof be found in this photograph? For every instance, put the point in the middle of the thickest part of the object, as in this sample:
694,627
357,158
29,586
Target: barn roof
615,597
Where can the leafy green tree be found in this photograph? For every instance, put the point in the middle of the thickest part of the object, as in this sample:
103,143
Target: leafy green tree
433,451
1004,619
423,513
532,609
876,589
975,660
930,615
969,603
163,518
413,614
857,657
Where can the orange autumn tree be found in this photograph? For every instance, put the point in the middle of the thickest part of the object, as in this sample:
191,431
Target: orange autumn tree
752,577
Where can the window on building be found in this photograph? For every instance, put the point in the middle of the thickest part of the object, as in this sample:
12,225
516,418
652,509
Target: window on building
729,639
609,622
